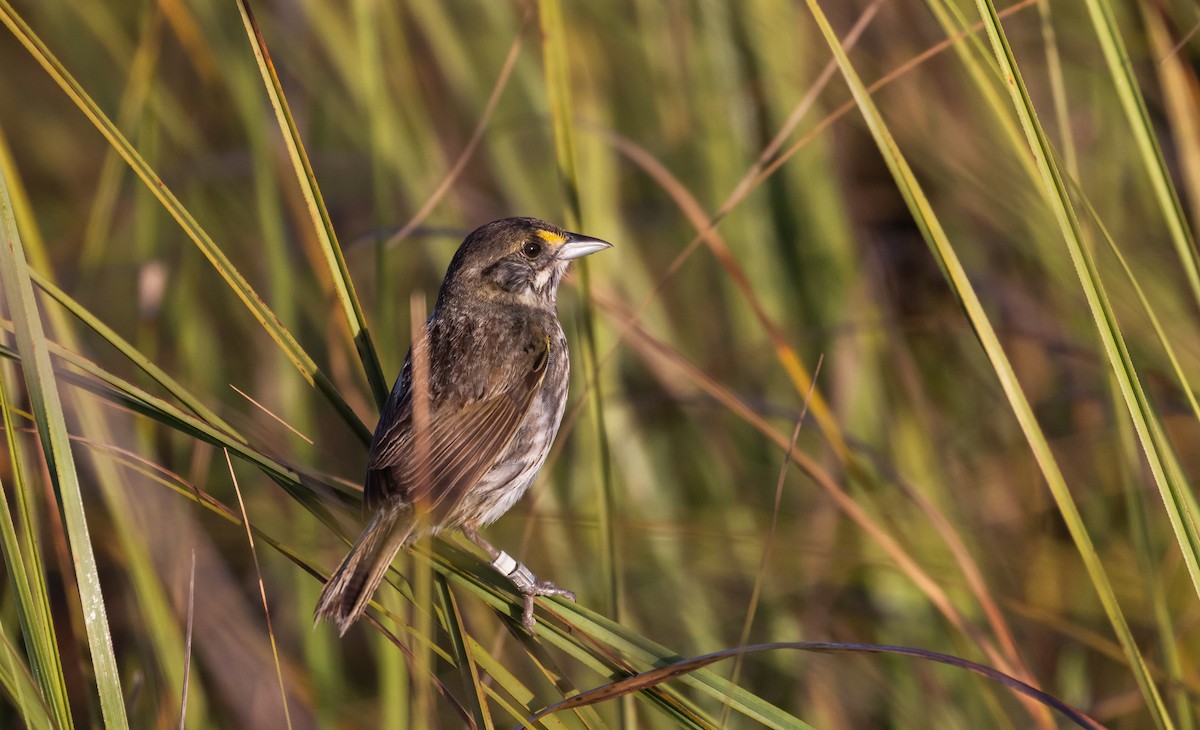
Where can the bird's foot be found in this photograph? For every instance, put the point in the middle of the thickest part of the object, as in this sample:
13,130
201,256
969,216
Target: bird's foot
527,583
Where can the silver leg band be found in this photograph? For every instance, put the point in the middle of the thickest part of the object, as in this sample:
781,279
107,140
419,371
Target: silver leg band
520,576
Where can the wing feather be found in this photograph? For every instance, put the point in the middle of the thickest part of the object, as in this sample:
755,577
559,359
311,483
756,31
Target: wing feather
463,442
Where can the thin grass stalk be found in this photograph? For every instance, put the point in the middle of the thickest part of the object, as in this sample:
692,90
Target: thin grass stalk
1058,92
765,555
52,429
940,246
501,676
973,53
262,592
187,651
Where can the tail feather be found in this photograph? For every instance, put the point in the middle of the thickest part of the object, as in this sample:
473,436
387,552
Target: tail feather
349,589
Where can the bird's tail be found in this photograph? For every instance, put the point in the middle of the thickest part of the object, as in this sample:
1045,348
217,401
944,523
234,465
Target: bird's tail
349,589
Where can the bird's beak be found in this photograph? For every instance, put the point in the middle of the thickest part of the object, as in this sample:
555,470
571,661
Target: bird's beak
578,246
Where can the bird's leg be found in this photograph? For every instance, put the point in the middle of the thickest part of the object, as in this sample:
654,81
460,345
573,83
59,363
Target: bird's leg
523,578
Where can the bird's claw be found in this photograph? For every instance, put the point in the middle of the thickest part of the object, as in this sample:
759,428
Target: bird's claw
528,584
540,588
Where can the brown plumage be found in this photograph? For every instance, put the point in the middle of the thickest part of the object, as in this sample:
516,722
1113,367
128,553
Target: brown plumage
497,385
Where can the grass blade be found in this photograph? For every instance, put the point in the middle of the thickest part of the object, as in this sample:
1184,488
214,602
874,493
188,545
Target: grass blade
51,424
463,657
322,225
1120,68
25,568
262,593
16,678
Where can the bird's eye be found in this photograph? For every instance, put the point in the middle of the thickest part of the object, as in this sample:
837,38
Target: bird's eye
531,249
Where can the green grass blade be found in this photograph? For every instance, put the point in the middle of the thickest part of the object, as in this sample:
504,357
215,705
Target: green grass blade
17,679
23,559
51,424
462,655
258,308
1172,486
322,225
1121,69
939,243
157,617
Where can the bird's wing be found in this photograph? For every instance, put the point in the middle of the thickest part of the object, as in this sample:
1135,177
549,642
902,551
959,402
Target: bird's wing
461,443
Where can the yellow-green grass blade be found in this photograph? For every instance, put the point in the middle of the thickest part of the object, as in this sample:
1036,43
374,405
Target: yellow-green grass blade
525,699
639,652
931,229
1139,526
1155,321
23,559
1172,485
467,670
20,684
1120,68
322,225
557,681
593,649
258,308
52,430
159,618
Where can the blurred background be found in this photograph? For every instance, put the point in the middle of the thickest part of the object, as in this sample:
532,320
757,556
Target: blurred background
761,241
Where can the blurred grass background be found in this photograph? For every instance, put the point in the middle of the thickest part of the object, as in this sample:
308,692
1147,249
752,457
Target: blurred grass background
758,229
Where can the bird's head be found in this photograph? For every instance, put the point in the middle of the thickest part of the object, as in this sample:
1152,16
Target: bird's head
519,258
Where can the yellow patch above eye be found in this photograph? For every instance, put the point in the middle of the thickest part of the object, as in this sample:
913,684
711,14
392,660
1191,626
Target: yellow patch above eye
552,238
